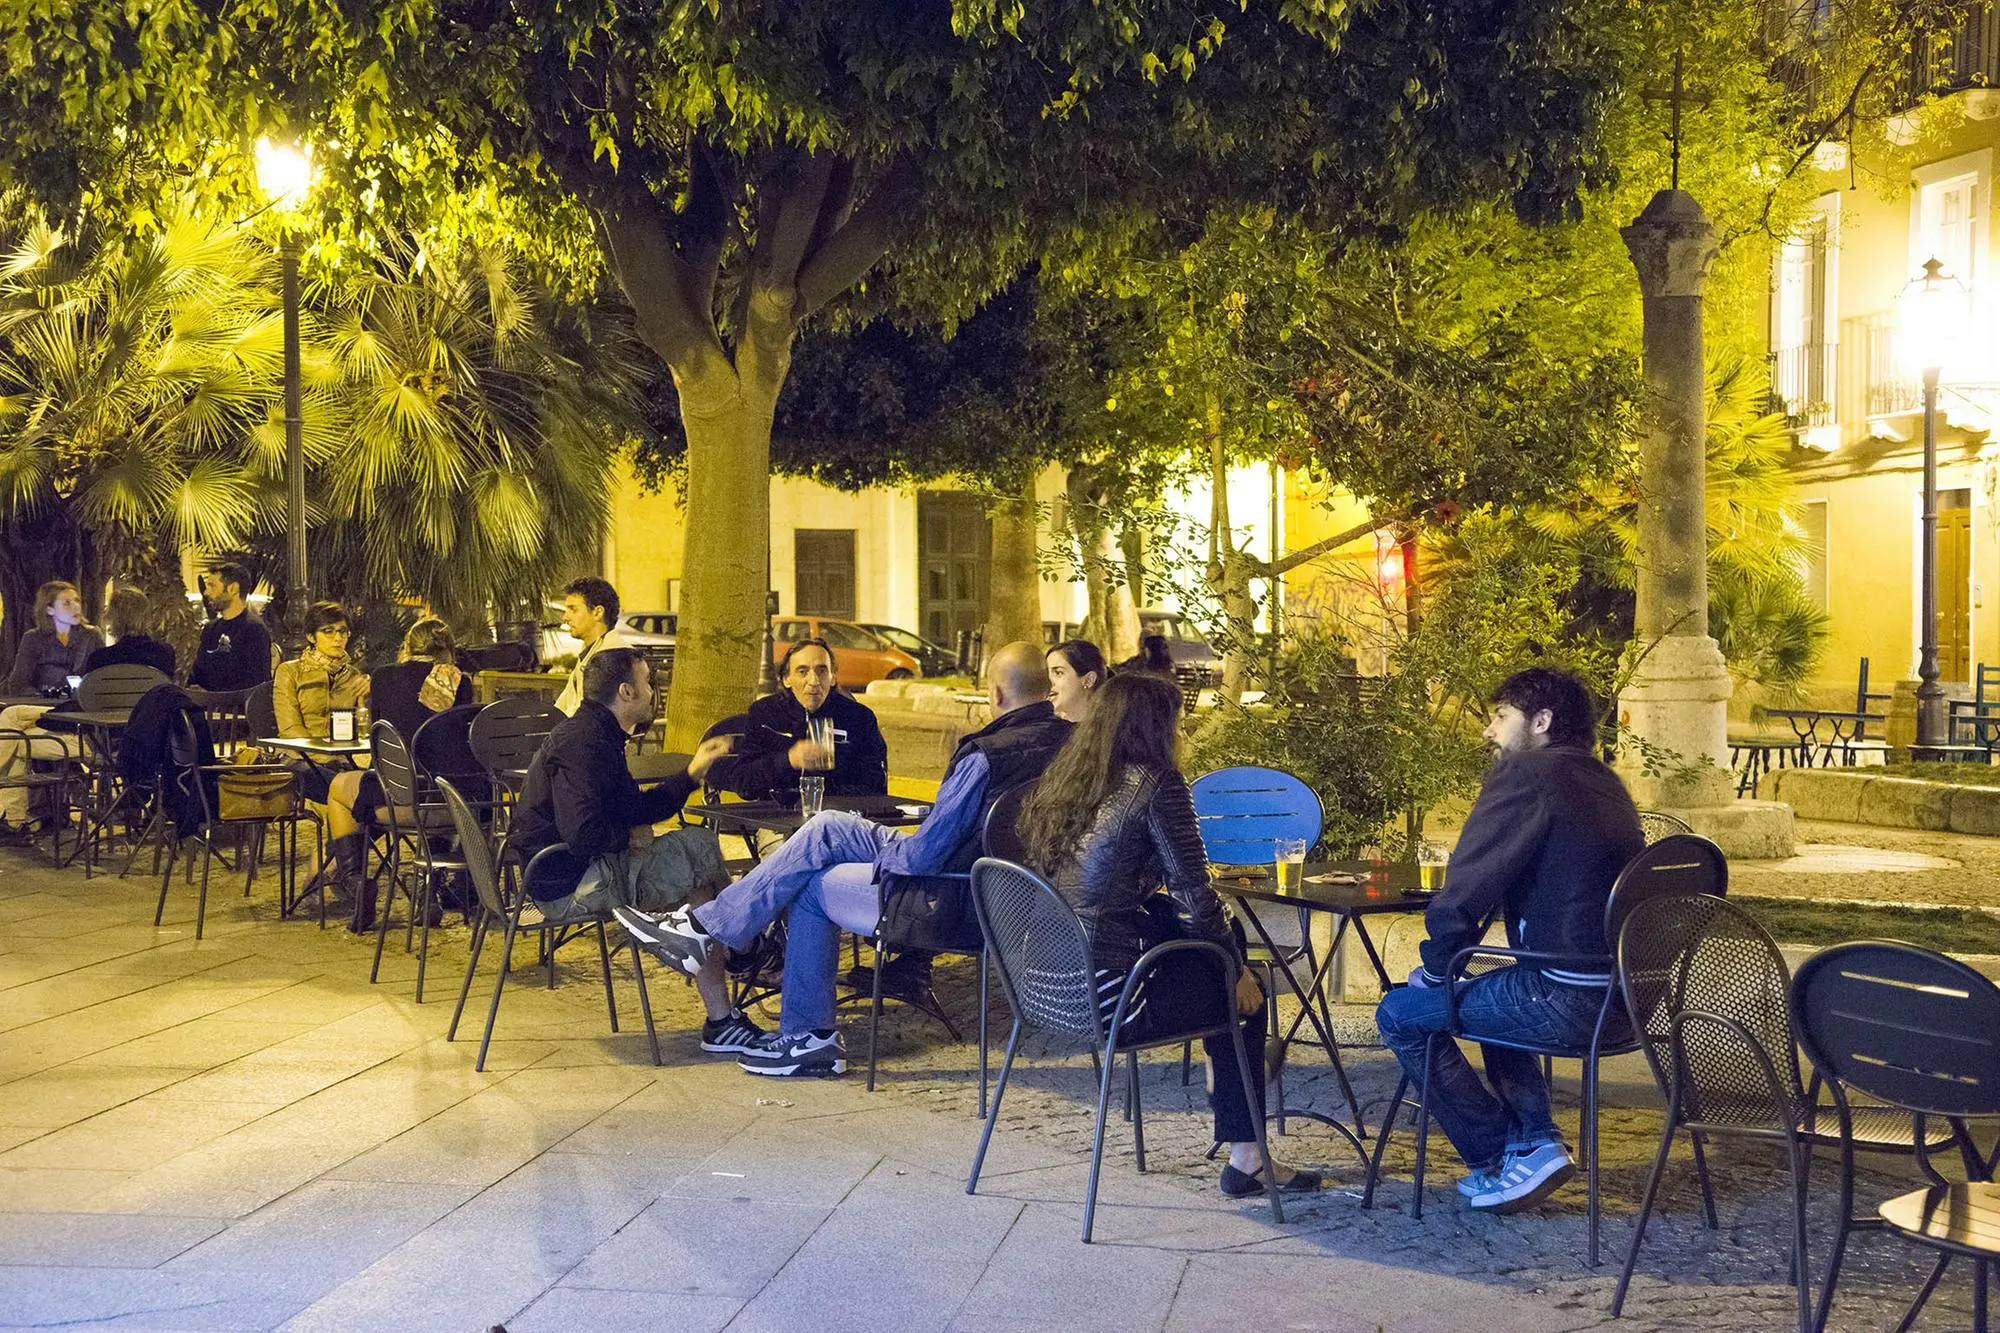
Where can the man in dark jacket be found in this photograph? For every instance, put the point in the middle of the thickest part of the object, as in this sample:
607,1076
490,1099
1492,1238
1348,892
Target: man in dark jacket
777,744
1545,841
580,793
823,878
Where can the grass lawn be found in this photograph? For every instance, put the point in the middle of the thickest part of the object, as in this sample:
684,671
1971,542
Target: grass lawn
1946,929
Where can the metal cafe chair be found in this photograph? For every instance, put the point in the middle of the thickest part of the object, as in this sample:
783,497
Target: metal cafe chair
189,785
1918,1032
1046,972
505,736
1676,866
1242,813
1657,824
1710,995
514,912
413,815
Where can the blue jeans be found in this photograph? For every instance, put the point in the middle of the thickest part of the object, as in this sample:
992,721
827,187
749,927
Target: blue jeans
823,879
1517,1003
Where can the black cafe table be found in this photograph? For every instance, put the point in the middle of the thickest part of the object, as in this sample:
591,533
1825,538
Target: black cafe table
1351,891
735,817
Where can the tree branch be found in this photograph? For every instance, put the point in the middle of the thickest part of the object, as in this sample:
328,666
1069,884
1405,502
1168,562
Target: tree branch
670,300
786,229
1291,560
705,225
859,244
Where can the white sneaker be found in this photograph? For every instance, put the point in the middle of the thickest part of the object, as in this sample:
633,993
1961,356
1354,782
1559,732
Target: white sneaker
671,937
1527,1178
1483,1181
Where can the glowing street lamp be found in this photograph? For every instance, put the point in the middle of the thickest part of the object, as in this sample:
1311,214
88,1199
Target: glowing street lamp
1932,315
285,176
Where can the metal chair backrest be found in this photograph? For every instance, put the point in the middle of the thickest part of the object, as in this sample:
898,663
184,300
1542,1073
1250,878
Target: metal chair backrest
1041,949
998,835
1242,811
112,688
183,761
261,709
1679,863
508,732
1903,1025
1709,996
1657,824
390,760
442,748
472,844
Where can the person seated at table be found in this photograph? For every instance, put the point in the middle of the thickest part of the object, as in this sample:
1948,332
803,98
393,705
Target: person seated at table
580,793
1109,823
777,746
304,694
822,879
1076,669
48,656
129,617
424,681
235,652
1545,840
590,611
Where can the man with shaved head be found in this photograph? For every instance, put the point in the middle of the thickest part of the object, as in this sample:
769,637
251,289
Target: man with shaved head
822,879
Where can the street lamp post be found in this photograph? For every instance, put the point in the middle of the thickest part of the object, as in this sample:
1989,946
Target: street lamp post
285,174
1932,316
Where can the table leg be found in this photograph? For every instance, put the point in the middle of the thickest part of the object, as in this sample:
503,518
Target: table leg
1327,1042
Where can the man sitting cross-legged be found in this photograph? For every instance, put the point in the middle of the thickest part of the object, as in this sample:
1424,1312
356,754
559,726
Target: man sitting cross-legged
822,879
580,792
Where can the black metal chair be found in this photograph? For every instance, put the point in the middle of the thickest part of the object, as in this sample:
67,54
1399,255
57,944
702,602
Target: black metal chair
1657,824
413,816
516,914
1709,993
188,783
505,736
929,912
1921,1032
1677,865
1046,972
52,773
110,689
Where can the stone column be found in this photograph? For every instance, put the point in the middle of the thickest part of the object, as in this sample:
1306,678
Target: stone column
1676,704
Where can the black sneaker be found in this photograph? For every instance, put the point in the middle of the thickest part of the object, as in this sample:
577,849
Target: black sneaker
734,1035
796,1055
670,937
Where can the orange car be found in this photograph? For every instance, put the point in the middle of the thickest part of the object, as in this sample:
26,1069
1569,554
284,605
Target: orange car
858,654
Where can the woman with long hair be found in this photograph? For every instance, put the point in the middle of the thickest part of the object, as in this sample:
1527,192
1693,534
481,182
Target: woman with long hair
1076,669
1109,823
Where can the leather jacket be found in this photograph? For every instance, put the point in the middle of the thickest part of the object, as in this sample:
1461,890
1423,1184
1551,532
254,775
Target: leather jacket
1144,835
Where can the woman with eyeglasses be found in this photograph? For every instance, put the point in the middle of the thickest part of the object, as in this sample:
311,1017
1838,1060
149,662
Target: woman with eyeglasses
305,691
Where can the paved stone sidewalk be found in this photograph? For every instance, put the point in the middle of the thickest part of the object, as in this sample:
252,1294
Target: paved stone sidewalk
242,1134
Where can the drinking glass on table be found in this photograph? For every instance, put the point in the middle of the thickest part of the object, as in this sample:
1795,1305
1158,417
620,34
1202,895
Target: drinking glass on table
812,794
1431,861
1288,863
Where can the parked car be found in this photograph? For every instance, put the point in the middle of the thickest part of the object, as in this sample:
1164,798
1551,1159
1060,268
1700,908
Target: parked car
1197,665
650,631
859,656
935,659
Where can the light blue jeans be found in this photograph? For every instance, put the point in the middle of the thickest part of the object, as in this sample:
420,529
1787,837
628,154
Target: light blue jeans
822,879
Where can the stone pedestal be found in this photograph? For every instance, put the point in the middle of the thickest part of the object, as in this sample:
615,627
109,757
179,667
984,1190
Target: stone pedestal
1675,750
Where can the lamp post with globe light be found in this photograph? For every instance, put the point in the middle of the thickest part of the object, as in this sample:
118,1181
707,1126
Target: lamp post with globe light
1931,315
285,176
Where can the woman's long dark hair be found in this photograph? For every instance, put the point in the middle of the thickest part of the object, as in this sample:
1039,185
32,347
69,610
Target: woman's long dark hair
1083,657
1133,722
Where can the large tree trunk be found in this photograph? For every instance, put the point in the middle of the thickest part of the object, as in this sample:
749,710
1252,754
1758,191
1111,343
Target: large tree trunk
1014,608
1112,620
1230,570
725,566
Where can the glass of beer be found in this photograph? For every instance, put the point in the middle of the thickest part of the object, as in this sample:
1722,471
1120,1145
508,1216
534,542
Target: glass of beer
812,794
1288,863
1431,861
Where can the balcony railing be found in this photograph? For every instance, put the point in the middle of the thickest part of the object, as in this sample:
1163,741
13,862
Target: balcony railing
1802,383
1966,57
1871,384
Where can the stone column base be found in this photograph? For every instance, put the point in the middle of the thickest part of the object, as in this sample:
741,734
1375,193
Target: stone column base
1744,830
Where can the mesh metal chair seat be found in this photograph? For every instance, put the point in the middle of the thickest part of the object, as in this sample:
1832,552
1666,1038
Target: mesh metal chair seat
1044,959
516,913
1657,824
1710,994
1919,1032
1679,865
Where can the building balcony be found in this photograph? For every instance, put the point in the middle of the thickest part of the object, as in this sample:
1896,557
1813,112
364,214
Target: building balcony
1802,384
1966,57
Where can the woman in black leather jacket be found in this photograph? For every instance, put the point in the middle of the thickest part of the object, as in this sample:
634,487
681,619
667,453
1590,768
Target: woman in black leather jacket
1108,824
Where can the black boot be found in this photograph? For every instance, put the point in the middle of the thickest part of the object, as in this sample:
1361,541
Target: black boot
350,888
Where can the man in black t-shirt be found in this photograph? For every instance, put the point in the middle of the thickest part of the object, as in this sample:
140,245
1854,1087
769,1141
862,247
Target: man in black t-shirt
235,647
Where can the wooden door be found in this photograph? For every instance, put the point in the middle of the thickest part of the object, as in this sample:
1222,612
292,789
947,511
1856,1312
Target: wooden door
823,572
1954,591
954,545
